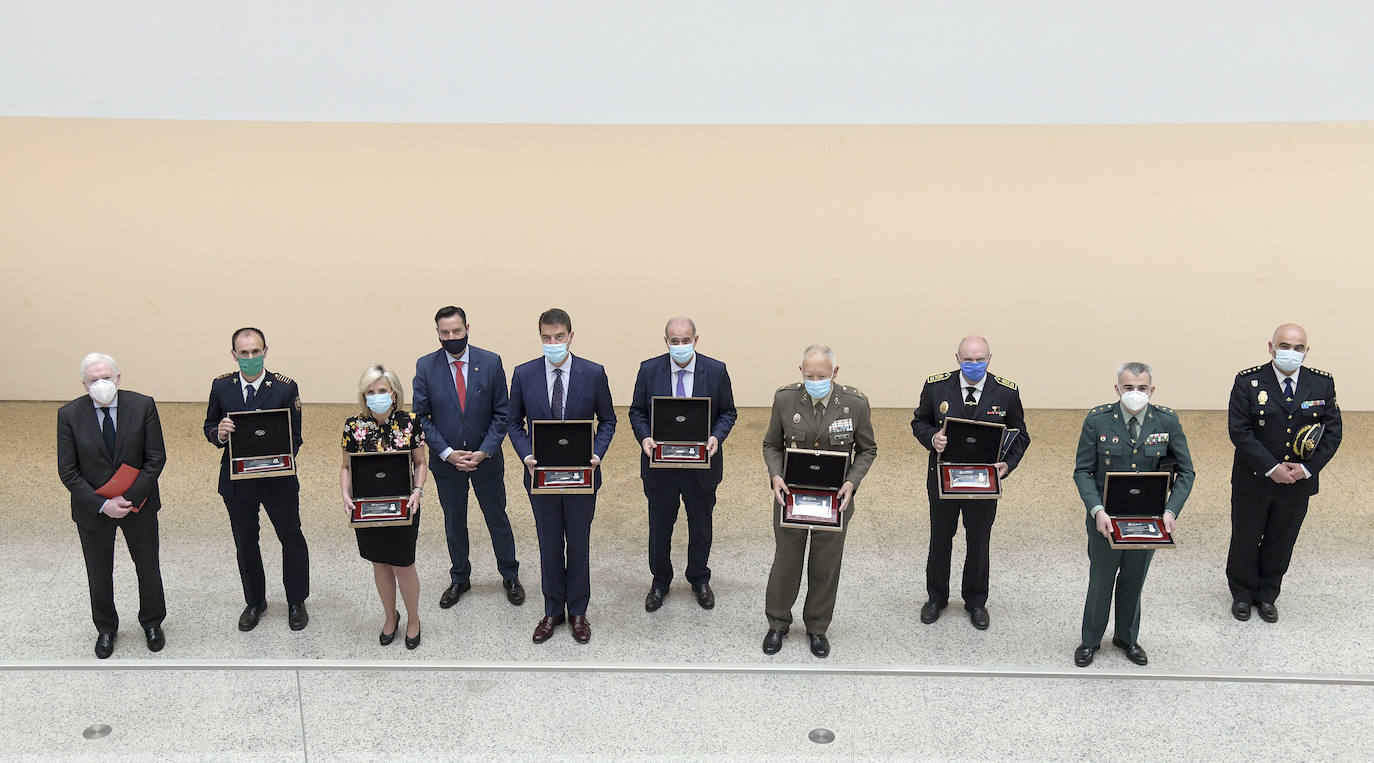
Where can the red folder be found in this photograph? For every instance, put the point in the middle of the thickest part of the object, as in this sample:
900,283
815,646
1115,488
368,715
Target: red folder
120,483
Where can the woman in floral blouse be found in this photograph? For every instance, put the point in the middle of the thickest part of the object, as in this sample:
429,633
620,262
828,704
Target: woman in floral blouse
383,426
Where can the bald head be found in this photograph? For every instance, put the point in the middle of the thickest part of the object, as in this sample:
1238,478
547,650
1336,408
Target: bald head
972,348
1291,334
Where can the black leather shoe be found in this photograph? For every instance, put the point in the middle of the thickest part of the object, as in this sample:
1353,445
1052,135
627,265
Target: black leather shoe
297,617
654,599
385,638
1083,656
705,596
1267,611
249,619
1134,652
930,611
772,640
411,643
820,645
979,617
453,594
1240,610
104,645
515,593
156,639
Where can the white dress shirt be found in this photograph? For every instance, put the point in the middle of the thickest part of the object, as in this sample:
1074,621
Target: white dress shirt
549,377
964,384
687,378
256,384
114,411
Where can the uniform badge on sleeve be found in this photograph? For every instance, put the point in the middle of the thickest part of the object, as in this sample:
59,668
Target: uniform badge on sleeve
944,406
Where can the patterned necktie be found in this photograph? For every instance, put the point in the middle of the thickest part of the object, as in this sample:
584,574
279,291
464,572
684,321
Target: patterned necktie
556,403
1133,428
681,385
968,398
1288,389
461,384
249,396
107,428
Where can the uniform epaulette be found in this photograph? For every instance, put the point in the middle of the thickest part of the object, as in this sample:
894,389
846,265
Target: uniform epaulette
939,377
1166,409
853,391
1317,371
282,379
793,385
1004,381
1102,408
224,375
1249,370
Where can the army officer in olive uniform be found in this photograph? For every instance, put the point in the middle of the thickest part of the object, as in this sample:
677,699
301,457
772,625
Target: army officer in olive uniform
820,415
1129,436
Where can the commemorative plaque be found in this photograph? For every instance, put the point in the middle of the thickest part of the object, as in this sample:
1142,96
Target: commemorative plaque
680,426
1135,502
966,467
814,479
261,444
563,457
381,484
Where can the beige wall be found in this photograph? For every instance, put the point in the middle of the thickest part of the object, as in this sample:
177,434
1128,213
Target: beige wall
1071,247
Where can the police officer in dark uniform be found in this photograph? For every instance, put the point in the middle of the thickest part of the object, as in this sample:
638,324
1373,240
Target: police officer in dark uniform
251,388
969,393
1277,411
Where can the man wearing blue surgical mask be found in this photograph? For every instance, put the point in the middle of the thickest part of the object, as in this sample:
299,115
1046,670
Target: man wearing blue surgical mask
968,393
1286,426
681,372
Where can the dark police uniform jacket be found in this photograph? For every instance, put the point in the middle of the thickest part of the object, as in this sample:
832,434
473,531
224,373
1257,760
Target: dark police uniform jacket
1262,426
226,394
943,396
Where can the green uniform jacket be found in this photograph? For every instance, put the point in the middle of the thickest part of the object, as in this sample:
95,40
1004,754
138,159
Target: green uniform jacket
1105,447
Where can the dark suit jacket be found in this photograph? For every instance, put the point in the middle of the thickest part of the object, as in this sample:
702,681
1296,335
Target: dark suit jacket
1263,432
588,395
1000,402
481,426
710,380
84,464
226,395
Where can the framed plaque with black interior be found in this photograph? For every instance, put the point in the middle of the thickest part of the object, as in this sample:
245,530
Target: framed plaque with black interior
562,457
260,445
966,467
381,487
680,426
1135,502
814,479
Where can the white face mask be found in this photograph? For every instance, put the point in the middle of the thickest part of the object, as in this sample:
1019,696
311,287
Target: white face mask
102,391
1134,400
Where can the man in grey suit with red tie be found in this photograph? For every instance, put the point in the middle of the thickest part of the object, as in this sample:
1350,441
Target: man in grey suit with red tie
561,386
98,433
681,372
460,399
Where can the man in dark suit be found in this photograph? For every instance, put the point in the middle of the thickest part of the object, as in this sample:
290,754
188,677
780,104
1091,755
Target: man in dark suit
561,386
254,388
1272,412
460,399
681,372
964,394
96,434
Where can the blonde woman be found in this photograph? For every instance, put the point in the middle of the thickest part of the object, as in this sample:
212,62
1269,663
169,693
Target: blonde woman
384,426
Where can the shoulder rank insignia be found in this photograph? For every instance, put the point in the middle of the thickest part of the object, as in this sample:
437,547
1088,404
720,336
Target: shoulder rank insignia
854,391
793,385
1169,411
224,375
1317,371
939,377
1102,408
1249,371
1004,381
282,379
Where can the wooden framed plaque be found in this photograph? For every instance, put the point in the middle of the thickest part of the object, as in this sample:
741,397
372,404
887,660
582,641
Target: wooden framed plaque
681,426
261,444
966,467
1135,502
563,457
381,488
814,479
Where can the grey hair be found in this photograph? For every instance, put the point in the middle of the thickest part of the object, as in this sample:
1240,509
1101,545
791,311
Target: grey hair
819,349
1135,368
98,357
671,321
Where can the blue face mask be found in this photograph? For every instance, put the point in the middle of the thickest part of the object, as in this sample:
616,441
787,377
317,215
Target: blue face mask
682,352
817,389
974,371
555,353
379,403
1288,361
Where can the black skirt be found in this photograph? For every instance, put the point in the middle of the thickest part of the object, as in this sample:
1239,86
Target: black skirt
393,545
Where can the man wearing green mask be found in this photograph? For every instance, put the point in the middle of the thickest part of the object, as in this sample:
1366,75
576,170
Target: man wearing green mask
253,388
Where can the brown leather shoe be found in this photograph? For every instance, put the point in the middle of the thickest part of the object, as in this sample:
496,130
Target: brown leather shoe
544,629
581,629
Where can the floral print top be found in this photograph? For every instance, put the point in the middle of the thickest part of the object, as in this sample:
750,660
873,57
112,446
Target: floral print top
400,431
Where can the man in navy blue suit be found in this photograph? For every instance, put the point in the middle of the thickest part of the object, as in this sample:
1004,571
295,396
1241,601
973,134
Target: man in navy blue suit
460,399
561,386
681,372
254,388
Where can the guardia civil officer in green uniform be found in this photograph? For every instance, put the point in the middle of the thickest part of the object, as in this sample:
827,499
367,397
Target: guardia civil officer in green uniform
1130,436
816,414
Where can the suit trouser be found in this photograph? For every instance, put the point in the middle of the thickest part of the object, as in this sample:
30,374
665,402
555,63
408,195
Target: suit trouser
97,546
283,507
563,524
944,523
822,573
663,488
491,498
1264,529
1108,568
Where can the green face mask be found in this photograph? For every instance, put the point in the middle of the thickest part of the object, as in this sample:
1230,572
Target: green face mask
251,367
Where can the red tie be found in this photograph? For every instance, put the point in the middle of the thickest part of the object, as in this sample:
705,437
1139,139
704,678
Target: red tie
460,384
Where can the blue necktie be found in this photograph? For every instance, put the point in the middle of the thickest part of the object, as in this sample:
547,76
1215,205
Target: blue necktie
556,403
107,428
248,397
1288,389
